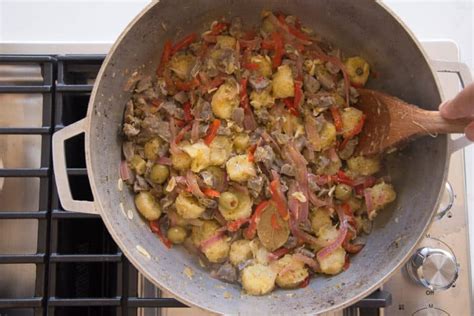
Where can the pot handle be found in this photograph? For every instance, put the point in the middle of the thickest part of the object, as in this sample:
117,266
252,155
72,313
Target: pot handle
464,75
60,173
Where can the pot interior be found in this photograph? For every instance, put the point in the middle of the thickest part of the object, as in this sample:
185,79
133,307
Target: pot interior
359,28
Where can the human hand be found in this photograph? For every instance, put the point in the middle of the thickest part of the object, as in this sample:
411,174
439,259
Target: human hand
462,106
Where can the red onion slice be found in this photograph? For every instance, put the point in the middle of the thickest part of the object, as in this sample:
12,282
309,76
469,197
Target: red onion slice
124,170
191,181
326,251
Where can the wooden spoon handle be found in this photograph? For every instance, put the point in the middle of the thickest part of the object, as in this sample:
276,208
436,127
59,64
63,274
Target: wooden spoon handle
431,122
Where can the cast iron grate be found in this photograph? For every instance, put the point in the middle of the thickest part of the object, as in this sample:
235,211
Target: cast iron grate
79,268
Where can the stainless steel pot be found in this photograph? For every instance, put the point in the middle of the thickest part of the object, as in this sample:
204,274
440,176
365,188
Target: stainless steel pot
361,27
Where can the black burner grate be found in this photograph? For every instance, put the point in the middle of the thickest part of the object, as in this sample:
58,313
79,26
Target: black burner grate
79,268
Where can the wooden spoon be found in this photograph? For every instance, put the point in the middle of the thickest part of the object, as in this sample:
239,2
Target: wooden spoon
391,122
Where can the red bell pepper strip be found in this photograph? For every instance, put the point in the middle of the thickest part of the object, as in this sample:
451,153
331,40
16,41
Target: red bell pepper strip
165,57
278,46
235,225
275,189
249,233
155,228
290,104
211,192
218,28
212,131
341,177
305,283
357,129
267,44
244,100
292,29
186,85
184,43
156,103
298,94
251,153
188,117
250,66
336,116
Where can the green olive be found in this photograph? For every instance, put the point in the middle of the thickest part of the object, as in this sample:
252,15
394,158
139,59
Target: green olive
176,234
147,206
151,148
241,142
138,164
159,173
228,200
181,161
343,192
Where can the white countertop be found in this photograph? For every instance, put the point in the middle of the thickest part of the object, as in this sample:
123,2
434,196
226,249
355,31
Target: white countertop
101,21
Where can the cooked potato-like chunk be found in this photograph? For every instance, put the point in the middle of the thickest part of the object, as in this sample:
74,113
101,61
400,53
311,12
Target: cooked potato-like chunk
283,84
320,217
203,232
382,194
334,262
326,234
231,212
188,207
258,279
181,65
240,251
181,161
147,206
241,142
138,164
264,65
327,135
261,99
364,166
294,276
240,169
358,70
200,154
221,148
351,118
225,41
218,251
151,148
225,99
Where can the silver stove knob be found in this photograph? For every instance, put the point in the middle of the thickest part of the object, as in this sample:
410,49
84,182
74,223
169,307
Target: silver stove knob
435,269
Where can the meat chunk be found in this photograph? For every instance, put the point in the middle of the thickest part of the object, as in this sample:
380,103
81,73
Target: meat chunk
152,125
265,155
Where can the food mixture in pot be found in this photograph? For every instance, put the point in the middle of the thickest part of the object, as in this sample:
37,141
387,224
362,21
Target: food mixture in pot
240,149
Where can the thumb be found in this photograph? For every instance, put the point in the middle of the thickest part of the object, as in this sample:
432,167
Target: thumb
470,131
462,106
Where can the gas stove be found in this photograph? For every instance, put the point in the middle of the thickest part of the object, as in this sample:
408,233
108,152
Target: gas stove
54,262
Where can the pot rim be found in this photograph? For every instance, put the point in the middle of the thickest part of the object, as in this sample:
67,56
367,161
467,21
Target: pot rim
137,262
